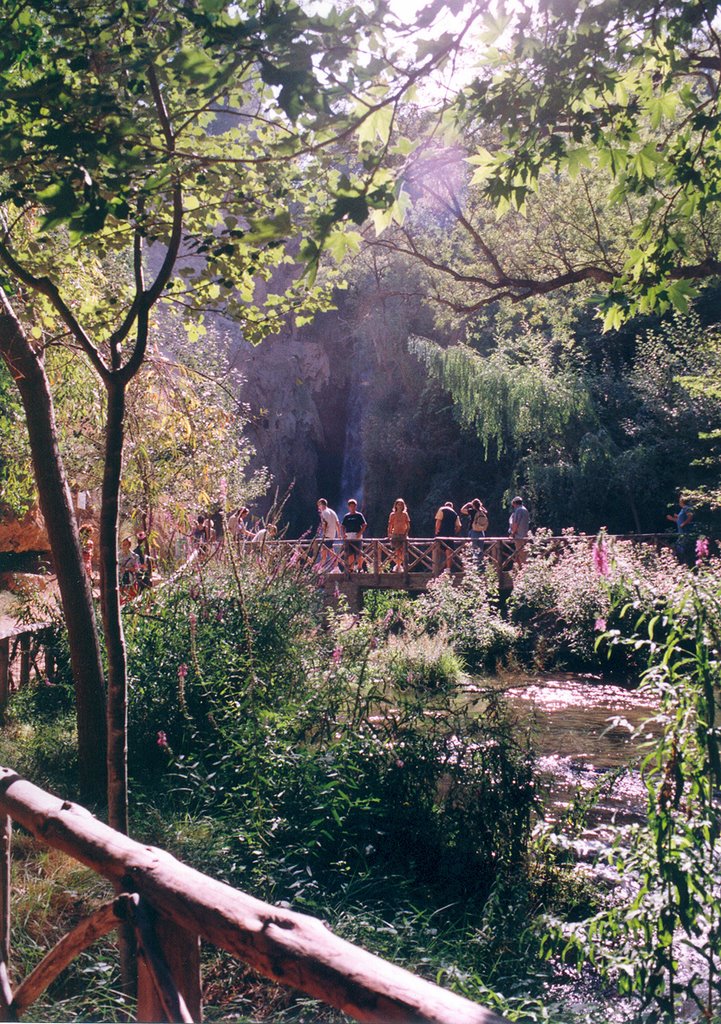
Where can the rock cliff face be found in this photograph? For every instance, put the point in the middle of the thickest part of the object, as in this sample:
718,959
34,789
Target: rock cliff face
20,535
296,388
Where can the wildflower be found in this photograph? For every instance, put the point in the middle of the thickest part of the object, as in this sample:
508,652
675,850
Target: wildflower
600,559
337,655
193,620
182,673
194,592
162,739
600,625
399,763
388,618
701,549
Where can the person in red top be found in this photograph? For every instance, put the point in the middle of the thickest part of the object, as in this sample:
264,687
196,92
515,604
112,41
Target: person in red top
399,526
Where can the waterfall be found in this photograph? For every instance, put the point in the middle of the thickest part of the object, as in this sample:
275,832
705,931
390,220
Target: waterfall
352,470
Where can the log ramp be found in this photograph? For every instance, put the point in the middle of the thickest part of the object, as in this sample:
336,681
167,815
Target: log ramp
171,907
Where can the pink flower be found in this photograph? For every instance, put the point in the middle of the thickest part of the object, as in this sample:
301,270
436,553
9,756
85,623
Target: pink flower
182,671
600,559
702,548
599,625
162,739
337,655
193,620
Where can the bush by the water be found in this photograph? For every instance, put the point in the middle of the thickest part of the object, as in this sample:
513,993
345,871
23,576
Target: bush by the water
330,747
569,594
467,612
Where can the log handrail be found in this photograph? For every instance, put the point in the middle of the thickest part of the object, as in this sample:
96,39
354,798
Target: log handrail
283,945
430,556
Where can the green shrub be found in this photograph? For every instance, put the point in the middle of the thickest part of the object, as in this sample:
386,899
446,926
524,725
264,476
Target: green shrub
467,612
302,740
566,597
428,663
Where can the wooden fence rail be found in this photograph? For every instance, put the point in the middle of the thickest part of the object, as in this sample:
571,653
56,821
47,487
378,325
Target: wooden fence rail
171,907
371,561
22,650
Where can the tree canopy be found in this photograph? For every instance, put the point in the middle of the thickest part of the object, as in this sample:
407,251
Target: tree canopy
586,149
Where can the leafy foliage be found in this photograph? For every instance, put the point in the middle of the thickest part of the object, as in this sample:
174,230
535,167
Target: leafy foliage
630,90
308,744
670,863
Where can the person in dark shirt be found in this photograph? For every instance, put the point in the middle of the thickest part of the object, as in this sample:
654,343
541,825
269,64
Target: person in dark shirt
352,528
447,524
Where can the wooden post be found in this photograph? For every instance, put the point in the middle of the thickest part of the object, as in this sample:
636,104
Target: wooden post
376,559
160,940
4,674
437,557
286,946
24,660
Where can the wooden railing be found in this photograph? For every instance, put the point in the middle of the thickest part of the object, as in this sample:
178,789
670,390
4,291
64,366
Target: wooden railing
171,907
425,557
23,650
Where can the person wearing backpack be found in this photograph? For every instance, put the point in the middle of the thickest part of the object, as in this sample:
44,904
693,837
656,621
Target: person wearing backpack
478,515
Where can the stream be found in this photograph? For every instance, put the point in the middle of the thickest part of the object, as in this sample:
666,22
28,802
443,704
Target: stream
582,728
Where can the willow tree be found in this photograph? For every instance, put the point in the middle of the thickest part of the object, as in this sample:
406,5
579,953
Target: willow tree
185,149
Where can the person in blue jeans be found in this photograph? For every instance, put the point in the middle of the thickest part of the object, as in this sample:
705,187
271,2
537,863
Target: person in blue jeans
518,529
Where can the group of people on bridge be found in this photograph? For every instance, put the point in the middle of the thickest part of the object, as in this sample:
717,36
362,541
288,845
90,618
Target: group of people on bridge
334,533
338,542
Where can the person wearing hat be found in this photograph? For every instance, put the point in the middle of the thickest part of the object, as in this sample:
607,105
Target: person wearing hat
518,529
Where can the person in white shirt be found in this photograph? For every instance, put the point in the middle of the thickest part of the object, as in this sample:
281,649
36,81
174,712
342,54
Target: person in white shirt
329,532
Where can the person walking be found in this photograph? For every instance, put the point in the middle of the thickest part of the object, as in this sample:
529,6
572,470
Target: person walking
329,532
128,568
399,526
447,524
518,524
353,527
142,550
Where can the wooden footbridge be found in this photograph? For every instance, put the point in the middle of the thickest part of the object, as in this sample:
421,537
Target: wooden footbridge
352,567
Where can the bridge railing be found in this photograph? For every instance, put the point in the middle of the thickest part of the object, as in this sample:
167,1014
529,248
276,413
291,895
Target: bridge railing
375,557
171,907
24,651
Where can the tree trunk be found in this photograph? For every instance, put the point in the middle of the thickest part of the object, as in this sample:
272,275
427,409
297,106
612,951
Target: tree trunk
28,372
110,605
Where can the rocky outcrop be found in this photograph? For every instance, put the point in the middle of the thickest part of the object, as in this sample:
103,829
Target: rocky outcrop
26,534
296,390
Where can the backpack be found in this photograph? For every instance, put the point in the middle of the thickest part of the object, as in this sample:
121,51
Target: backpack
480,521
